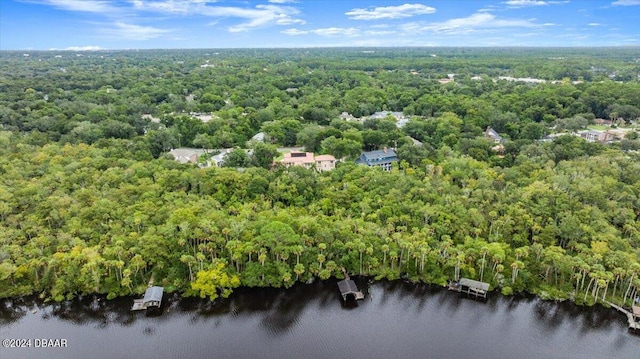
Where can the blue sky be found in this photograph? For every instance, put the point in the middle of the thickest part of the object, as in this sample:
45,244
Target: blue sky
145,24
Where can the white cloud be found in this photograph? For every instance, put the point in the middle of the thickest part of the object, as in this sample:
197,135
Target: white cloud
626,3
283,19
390,12
527,34
379,32
133,32
258,16
171,6
262,15
594,24
97,6
525,3
79,48
283,1
412,27
84,48
516,4
336,31
294,32
475,22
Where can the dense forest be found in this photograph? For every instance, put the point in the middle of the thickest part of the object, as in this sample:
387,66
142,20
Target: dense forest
90,201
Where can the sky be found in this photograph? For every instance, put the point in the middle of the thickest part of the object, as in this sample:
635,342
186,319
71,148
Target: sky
168,24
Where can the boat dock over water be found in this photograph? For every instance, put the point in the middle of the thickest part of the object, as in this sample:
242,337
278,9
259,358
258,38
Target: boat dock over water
348,289
632,317
470,287
152,299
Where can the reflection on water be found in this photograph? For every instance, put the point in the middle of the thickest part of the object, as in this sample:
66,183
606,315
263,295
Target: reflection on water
396,319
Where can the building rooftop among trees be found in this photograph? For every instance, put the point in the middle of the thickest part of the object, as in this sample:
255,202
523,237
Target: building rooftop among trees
307,160
382,158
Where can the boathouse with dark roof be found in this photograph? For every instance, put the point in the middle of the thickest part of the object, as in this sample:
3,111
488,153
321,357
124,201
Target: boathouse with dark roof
152,299
471,288
349,291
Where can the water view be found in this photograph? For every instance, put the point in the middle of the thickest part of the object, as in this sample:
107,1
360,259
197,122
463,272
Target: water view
396,320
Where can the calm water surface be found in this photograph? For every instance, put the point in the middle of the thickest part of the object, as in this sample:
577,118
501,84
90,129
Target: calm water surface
396,320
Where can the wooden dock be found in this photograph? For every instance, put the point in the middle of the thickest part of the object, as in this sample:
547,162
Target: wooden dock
152,299
348,289
634,326
470,287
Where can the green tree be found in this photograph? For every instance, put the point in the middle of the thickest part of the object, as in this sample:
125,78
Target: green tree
236,158
215,281
160,142
340,147
263,155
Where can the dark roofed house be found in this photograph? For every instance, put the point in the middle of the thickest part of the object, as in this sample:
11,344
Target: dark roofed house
381,158
470,287
259,137
153,296
477,285
152,299
491,134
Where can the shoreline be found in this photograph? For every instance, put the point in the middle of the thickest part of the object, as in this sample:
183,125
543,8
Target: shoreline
34,304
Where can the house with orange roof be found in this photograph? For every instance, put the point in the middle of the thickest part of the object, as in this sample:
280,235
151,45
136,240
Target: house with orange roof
325,163
308,160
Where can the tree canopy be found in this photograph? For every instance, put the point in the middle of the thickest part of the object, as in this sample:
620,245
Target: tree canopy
91,203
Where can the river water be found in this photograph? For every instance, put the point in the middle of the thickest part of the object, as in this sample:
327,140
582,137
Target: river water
396,320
